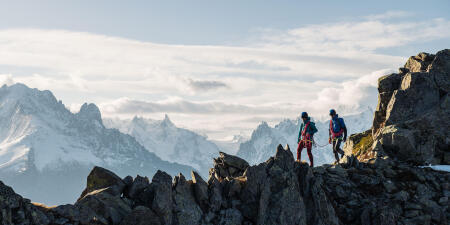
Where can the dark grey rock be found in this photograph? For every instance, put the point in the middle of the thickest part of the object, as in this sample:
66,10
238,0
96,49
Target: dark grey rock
200,190
128,180
141,215
233,161
100,205
137,186
100,178
186,209
401,196
162,203
230,217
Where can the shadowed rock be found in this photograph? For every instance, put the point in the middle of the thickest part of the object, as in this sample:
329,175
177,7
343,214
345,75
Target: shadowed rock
411,120
100,178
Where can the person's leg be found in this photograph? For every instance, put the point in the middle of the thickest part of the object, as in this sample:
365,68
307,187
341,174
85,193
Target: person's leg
338,148
299,150
310,155
336,156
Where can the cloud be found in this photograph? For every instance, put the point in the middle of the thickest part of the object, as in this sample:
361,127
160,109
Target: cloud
206,85
349,39
390,15
352,93
6,79
177,105
213,87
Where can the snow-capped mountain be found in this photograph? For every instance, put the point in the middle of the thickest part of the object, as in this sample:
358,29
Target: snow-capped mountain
231,146
45,149
169,142
265,139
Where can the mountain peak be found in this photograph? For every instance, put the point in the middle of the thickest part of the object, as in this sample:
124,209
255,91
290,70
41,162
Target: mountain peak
167,121
90,112
20,90
31,100
263,126
137,119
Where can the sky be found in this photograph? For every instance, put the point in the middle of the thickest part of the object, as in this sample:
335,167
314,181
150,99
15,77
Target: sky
216,67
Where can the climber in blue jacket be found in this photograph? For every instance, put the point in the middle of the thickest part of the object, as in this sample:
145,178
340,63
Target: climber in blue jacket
337,134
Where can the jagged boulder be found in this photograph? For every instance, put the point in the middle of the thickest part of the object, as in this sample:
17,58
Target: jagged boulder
100,206
228,166
200,190
100,178
358,144
256,183
411,120
17,210
186,209
162,202
141,215
136,187
215,189
230,217
281,202
320,209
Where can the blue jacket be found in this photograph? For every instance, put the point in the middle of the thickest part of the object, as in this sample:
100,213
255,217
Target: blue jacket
311,128
338,124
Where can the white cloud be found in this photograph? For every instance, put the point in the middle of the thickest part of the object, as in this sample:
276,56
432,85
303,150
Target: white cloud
6,79
177,105
390,15
205,85
354,92
352,39
217,88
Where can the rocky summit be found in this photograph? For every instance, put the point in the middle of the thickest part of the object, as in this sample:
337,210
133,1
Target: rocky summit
380,181
412,118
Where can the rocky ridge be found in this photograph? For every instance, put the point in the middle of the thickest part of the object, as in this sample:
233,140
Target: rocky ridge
375,184
278,191
411,120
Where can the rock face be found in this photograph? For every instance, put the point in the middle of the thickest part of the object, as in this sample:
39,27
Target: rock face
278,191
100,178
17,210
376,184
228,166
412,117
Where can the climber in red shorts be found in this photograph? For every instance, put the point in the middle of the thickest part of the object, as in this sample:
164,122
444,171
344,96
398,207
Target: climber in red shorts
305,137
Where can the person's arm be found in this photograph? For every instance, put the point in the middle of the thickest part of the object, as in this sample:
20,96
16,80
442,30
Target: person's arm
313,128
329,130
329,133
345,129
300,133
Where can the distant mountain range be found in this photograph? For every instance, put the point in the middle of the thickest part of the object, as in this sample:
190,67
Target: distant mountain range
169,142
46,151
